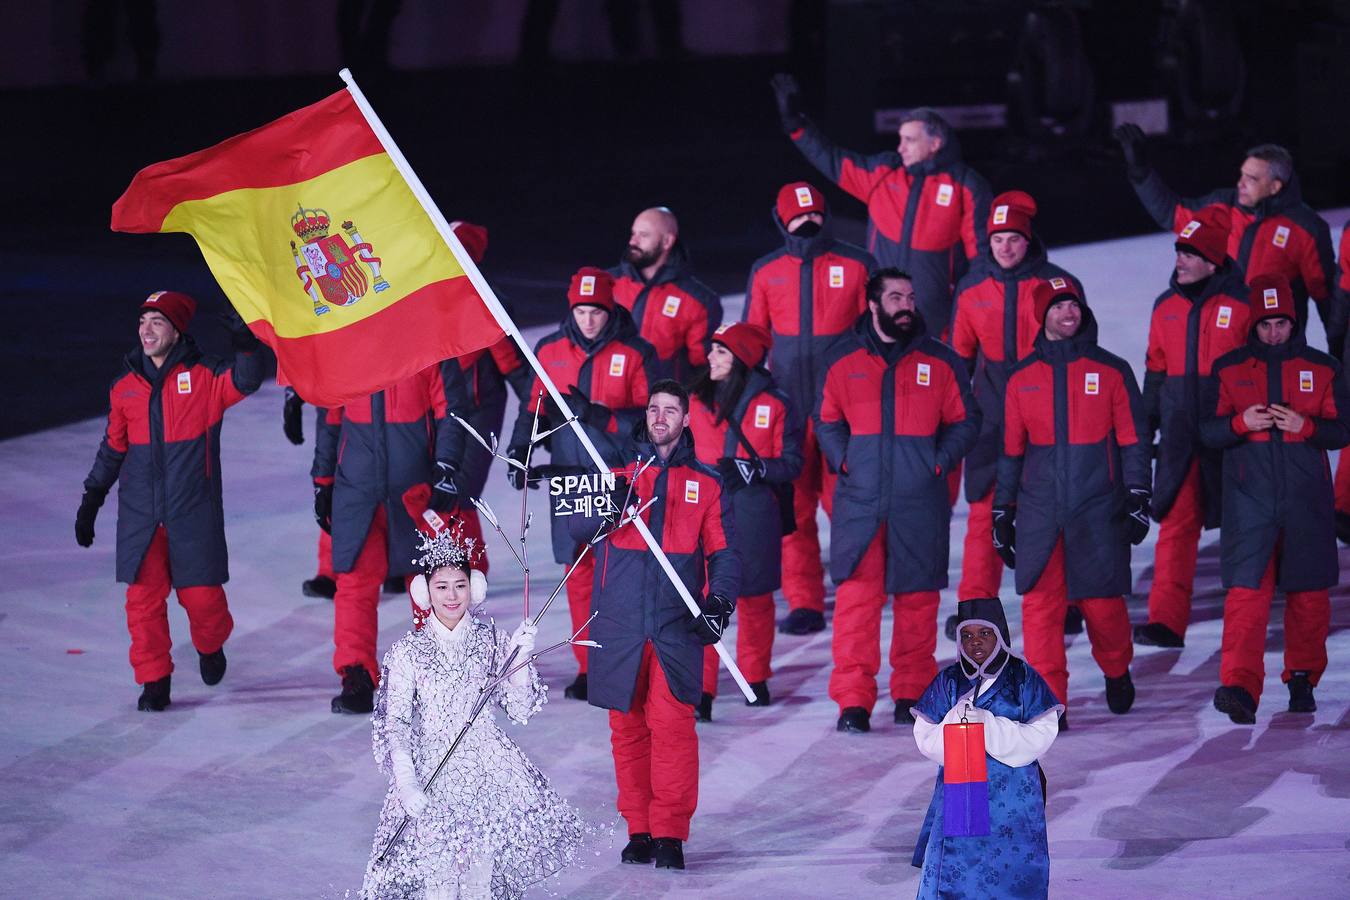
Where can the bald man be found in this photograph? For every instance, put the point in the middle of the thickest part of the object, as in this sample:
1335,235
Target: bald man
674,311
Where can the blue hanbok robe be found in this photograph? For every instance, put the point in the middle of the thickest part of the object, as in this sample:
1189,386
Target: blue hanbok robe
1014,860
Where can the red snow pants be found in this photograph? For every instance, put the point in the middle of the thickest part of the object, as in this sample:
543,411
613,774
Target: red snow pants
803,574
856,643
325,556
1169,600
1043,608
578,588
1246,614
1342,484
754,642
472,528
981,569
356,620
655,756
209,620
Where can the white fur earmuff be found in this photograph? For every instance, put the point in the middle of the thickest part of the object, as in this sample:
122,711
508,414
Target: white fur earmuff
477,587
420,591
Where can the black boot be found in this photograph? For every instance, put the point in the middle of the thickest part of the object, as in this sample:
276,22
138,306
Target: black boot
212,666
1073,620
802,621
1156,634
577,689
1237,703
319,586
1343,527
638,850
761,689
668,853
902,714
703,712
1120,693
1301,693
154,696
358,691
394,585
854,720
949,628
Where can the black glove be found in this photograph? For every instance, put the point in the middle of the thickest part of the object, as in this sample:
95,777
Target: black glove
716,613
612,511
786,93
323,506
1131,139
1005,535
597,415
1137,506
241,338
444,490
739,473
517,476
84,518
292,417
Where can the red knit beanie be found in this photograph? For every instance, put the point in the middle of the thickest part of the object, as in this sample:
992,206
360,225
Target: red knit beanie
1051,291
1270,297
473,237
1012,211
178,308
1206,235
747,342
591,287
798,198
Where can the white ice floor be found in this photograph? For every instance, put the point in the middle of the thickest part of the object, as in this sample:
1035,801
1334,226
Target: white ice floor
254,789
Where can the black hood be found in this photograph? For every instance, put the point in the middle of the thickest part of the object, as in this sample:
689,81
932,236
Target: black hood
619,327
683,454
806,247
1035,258
867,335
948,155
1227,279
981,610
674,268
1290,195
185,351
1073,347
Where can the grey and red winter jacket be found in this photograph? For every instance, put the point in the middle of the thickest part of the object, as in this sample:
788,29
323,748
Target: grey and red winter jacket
1191,327
162,448
995,327
632,598
674,312
806,294
1072,449
927,220
1277,486
1282,235
374,449
892,421
770,422
487,373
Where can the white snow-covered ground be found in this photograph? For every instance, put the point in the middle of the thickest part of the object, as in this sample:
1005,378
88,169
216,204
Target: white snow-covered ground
254,789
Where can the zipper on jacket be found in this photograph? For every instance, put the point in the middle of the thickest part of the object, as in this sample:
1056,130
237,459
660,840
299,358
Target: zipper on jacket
806,326
1060,374
911,207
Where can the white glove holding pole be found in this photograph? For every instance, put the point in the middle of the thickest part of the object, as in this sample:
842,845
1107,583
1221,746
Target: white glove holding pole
523,639
410,794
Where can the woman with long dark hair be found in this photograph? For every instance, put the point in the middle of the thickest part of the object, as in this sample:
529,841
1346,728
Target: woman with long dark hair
748,429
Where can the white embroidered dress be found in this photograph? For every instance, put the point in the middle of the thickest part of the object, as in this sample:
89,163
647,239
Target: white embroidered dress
489,802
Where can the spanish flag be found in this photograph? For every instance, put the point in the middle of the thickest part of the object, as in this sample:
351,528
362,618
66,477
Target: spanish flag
322,247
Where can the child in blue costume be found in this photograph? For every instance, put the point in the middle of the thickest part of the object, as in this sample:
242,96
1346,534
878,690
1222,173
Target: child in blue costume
987,684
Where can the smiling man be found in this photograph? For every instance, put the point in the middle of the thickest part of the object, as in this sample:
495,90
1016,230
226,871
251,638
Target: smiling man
162,448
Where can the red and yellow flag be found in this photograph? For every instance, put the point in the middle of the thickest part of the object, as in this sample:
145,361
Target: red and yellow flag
323,249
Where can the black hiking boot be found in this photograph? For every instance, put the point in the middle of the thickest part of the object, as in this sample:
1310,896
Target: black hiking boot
1156,634
154,695
668,853
1301,693
212,666
703,712
761,690
639,849
577,689
1073,619
854,720
1237,703
902,714
802,621
358,692
320,586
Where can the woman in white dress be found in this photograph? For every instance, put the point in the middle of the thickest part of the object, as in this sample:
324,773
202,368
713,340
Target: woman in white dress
490,825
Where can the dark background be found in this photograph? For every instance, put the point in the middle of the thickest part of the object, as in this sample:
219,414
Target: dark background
555,138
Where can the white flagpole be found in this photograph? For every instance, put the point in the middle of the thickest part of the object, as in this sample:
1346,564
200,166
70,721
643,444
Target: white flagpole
499,312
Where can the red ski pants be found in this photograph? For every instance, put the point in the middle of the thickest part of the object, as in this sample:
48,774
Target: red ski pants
1043,608
1342,484
1169,600
472,528
981,569
754,642
655,756
325,556
857,634
803,574
356,620
209,620
1246,614
578,587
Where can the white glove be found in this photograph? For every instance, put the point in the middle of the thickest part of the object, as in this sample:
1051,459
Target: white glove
410,794
523,637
